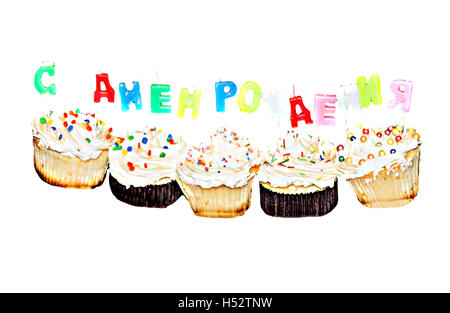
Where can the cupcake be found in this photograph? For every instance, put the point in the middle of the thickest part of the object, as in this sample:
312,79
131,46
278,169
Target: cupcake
299,178
142,168
71,149
382,165
216,178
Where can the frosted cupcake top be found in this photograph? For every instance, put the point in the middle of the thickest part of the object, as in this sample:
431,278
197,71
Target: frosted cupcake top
300,161
73,134
226,160
372,150
145,157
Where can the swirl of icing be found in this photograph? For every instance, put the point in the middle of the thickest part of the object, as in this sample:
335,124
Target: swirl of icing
373,150
145,158
73,134
300,161
228,160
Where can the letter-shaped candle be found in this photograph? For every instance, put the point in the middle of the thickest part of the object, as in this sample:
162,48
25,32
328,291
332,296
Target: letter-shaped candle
188,100
325,109
128,96
157,99
348,96
402,90
304,115
50,70
221,95
99,93
369,92
250,108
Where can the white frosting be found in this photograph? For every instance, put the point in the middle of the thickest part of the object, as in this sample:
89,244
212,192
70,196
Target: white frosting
227,160
300,161
372,153
80,135
132,164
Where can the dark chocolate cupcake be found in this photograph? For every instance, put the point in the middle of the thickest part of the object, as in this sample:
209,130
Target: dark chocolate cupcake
299,178
142,168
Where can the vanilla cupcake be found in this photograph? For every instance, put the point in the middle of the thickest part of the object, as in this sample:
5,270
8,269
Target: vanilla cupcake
298,177
142,168
217,177
71,149
382,165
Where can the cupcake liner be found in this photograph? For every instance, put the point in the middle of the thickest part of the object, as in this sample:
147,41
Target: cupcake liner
151,196
222,201
316,203
69,172
390,188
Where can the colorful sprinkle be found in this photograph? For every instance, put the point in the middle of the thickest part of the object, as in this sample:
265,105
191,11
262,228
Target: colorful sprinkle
365,131
370,156
129,148
398,138
341,159
70,128
43,120
130,137
88,140
60,137
361,161
390,141
144,140
393,151
162,155
352,138
363,139
381,153
117,148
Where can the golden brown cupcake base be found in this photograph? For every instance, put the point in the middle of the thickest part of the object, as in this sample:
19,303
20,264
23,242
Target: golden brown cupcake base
68,172
391,187
222,201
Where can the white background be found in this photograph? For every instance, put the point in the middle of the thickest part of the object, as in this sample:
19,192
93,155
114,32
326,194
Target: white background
54,239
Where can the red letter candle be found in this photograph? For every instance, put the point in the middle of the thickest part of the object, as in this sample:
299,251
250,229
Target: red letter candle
304,115
99,93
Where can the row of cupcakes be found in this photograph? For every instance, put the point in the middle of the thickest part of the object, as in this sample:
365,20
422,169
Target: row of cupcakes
297,177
